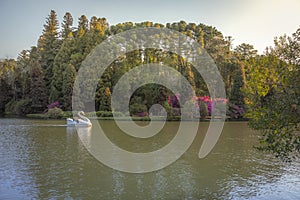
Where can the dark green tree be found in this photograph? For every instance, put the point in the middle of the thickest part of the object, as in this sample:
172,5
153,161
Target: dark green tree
5,87
67,30
83,26
273,98
61,62
38,88
69,76
48,46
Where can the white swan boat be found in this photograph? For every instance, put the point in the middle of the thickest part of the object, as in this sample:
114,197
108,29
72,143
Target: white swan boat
81,121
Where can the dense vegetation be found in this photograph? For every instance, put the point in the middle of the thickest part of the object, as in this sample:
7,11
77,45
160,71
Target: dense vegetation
265,86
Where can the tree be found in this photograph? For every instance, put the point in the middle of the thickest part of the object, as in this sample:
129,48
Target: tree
38,88
273,98
48,46
83,26
69,76
99,25
67,31
5,87
245,51
61,62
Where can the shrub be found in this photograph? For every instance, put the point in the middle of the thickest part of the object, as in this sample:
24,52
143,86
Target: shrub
189,109
37,116
137,108
118,114
173,101
104,114
142,114
235,112
55,113
9,107
174,112
21,107
53,105
68,114
203,110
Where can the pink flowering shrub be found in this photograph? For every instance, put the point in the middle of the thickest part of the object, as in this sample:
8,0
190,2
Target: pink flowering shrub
54,104
201,103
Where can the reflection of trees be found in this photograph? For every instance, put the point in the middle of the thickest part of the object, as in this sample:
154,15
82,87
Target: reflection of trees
53,163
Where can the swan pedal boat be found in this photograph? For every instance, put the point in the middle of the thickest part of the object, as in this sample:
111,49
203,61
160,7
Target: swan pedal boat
82,121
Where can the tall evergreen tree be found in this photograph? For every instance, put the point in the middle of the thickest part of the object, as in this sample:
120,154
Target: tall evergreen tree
67,31
48,46
83,26
38,88
61,62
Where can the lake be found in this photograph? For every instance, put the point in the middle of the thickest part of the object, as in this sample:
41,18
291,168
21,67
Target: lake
43,159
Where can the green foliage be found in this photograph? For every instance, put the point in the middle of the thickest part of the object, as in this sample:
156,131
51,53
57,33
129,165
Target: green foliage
5,92
48,46
47,72
190,109
69,76
37,87
236,95
278,122
67,26
245,51
235,111
104,114
174,112
21,107
37,116
108,114
55,113
203,110
136,108
273,98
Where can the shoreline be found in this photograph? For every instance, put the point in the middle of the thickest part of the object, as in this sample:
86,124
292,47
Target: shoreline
133,118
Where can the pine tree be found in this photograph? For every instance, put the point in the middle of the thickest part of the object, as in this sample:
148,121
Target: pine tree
83,26
38,88
48,46
67,26
61,62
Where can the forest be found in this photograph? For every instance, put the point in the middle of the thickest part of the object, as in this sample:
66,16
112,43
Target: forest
262,88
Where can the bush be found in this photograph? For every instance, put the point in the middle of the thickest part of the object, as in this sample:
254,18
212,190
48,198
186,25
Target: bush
109,114
37,116
138,108
68,114
174,112
203,109
142,114
104,114
174,118
235,112
21,107
188,110
55,113
9,107
118,114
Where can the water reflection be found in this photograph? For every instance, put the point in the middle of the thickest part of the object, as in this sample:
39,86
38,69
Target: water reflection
50,162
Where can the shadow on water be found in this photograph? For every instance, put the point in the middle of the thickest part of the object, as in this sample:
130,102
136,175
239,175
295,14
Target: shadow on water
50,162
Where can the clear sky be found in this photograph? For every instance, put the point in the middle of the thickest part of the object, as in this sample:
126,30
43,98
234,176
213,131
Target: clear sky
256,22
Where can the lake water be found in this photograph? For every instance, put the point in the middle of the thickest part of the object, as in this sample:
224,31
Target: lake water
42,159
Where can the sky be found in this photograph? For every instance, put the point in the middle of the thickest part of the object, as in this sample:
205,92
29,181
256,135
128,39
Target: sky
255,22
